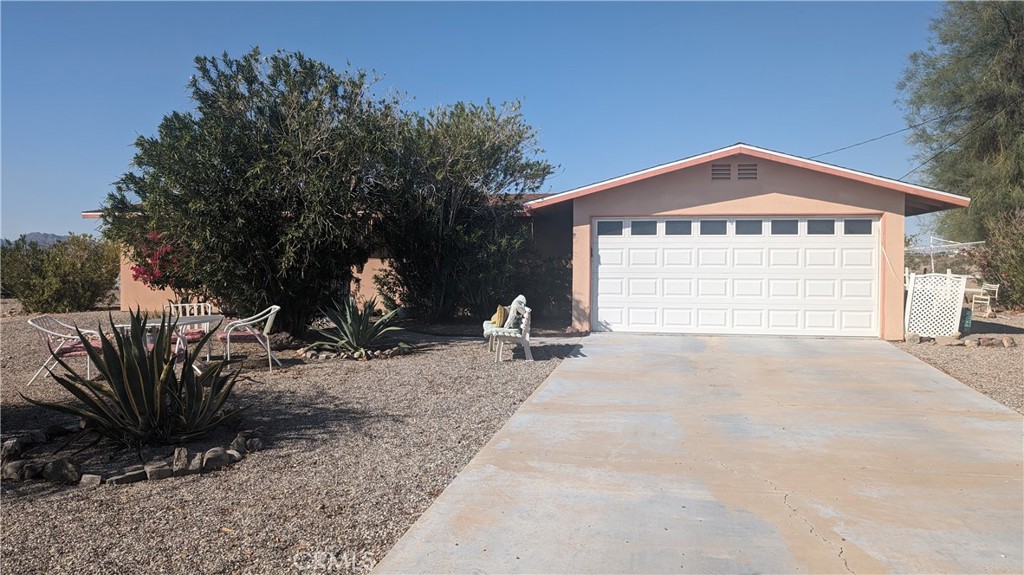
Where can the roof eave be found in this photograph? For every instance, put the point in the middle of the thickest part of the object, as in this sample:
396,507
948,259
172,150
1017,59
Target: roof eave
939,200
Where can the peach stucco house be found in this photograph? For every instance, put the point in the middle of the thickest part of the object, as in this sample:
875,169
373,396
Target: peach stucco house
740,240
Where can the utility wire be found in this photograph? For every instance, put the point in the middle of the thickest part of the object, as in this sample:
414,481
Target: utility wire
918,125
961,138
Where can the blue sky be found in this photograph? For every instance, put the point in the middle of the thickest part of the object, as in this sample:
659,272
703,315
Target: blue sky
610,87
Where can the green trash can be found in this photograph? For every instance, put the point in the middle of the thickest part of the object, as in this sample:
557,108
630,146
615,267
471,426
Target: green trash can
965,321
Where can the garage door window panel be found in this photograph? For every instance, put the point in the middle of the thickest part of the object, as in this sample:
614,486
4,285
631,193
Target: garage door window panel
678,227
749,227
857,227
713,227
643,228
785,227
821,227
609,228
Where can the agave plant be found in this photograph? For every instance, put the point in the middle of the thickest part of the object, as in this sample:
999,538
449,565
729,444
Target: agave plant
354,330
139,398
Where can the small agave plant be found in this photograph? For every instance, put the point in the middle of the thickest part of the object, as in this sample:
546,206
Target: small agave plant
354,330
139,398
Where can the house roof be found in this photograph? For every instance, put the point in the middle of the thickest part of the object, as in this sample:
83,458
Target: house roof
919,199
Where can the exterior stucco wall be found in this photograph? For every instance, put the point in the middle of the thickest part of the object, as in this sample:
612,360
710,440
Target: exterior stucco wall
780,190
135,294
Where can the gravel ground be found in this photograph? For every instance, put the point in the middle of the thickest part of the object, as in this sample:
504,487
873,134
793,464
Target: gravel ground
355,452
998,372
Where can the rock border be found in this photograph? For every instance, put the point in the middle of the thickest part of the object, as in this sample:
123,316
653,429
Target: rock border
63,470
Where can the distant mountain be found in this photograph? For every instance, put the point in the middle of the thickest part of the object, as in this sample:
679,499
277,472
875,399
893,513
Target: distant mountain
43,239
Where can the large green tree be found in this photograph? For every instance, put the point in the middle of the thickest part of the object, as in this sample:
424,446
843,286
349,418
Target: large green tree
268,187
971,81
451,231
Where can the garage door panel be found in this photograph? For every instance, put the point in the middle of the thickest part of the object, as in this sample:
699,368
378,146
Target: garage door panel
748,288
820,288
748,257
783,288
712,318
643,287
783,319
643,317
768,284
678,318
611,257
712,287
611,286
855,319
676,257
858,289
643,257
749,319
678,287
864,258
821,257
713,257
784,257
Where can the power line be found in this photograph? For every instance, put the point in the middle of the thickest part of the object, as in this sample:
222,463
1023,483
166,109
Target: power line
918,125
961,138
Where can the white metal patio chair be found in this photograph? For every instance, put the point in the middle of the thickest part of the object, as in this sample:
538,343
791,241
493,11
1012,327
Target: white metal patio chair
489,325
61,340
517,330
192,335
249,329
989,293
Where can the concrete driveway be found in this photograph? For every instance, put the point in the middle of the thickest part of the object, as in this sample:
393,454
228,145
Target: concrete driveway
654,454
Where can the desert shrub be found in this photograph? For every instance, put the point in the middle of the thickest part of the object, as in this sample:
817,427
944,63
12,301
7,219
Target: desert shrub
70,275
1001,259
546,281
353,329
139,399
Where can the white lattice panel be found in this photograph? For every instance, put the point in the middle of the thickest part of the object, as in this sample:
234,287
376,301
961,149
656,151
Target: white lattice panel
934,304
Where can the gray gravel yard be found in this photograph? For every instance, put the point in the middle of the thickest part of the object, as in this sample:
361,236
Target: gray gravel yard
355,452
998,372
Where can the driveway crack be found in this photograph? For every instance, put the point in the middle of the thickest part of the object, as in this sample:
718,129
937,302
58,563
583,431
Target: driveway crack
792,509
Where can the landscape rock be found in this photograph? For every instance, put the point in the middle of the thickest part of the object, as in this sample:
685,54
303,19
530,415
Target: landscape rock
130,477
12,449
179,465
215,458
254,444
20,470
912,337
62,471
196,465
132,468
948,340
284,340
34,437
239,443
90,479
989,341
971,342
235,455
157,471
1009,342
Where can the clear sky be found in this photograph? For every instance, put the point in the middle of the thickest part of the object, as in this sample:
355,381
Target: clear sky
610,87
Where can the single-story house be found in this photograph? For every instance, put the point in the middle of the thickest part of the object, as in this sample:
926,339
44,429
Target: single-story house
740,240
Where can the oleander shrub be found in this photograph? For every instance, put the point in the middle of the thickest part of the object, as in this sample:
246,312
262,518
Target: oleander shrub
1001,259
70,275
139,397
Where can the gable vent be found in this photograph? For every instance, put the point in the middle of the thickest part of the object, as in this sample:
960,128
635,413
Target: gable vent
746,171
721,171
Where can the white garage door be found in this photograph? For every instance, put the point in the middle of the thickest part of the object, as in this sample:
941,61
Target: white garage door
773,276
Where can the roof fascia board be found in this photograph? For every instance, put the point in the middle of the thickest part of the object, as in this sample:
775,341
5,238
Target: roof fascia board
736,149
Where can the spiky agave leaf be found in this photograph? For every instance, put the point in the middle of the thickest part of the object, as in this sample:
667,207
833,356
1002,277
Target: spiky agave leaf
139,398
